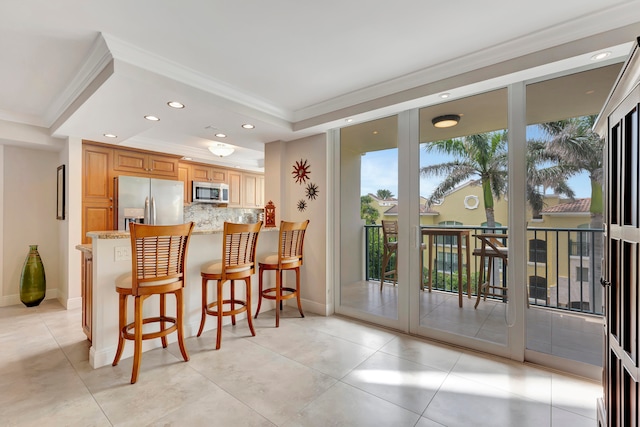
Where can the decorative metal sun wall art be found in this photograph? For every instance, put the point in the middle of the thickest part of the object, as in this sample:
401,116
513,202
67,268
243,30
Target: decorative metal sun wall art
301,171
301,174
312,191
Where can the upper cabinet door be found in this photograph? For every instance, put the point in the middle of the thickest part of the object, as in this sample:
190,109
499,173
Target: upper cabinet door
145,164
96,182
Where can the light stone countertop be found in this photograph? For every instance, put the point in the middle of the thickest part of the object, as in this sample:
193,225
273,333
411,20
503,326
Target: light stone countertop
115,234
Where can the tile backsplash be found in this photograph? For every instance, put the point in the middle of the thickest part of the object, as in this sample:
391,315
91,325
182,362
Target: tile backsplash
211,217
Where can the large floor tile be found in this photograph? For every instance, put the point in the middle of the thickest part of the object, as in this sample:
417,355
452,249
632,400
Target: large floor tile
343,405
506,375
407,384
462,402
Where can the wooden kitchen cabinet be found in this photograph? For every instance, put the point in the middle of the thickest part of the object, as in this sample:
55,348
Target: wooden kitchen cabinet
87,289
246,190
208,173
96,217
145,164
97,189
235,189
252,191
184,175
97,164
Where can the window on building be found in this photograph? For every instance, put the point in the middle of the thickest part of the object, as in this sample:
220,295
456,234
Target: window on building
538,251
580,242
582,274
498,228
447,240
538,288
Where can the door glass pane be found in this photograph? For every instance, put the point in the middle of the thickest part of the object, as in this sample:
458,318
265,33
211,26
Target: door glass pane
457,164
368,190
564,233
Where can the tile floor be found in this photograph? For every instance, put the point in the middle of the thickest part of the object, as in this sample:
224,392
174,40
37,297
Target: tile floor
556,332
316,371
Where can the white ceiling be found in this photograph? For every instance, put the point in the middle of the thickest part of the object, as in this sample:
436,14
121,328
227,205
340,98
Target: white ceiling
87,67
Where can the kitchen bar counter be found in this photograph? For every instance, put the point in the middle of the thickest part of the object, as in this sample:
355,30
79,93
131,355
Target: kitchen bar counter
112,257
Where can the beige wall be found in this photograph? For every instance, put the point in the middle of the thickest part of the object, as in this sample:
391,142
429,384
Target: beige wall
285,192
29,207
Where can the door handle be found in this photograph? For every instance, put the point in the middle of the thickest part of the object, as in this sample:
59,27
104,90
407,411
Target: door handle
604,283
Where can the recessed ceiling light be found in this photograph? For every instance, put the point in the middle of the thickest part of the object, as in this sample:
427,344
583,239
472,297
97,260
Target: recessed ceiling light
221,135
445,95
175,104
152,118
187,158
375,132
599,56
348,120
590,92
110,135
248,126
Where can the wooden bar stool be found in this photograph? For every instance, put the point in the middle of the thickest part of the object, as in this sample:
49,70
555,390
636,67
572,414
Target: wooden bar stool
491,248
237,263
389,247
288,257
158,256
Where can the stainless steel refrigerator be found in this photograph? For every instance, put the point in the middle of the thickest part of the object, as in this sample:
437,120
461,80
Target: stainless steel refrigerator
148,201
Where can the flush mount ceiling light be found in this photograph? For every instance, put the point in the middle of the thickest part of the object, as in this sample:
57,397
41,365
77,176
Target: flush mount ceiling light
175,104
446,121
248,126
152,118
110,135
221,150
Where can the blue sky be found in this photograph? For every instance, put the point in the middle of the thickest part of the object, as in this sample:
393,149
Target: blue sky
379,170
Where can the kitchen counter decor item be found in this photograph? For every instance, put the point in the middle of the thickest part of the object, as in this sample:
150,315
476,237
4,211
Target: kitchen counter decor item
33,283
270,215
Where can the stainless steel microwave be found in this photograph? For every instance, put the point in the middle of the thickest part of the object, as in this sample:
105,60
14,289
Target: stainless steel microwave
210,192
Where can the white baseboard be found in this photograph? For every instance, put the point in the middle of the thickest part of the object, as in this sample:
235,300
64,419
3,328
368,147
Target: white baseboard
8,300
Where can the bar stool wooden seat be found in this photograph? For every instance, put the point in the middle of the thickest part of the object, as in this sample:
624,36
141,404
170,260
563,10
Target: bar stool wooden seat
288,257
237,263
158,256
492,247
389,247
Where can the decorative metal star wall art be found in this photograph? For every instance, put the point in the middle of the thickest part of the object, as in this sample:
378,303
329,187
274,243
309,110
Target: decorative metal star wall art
312,191
301,171
302,205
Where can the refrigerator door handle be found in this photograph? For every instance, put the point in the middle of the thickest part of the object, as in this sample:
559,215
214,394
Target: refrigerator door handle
153,211
147,213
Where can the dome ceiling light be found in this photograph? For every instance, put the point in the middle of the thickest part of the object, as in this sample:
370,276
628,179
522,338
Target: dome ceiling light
446,121
221,150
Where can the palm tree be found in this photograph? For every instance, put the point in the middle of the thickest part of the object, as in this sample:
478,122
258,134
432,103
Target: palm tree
574,141
545,170
485,155
579,147
384,194
482,155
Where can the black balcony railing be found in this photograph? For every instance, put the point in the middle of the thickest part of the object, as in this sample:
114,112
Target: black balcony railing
561,265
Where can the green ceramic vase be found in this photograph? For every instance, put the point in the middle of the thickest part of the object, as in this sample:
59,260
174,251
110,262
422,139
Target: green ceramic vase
33,283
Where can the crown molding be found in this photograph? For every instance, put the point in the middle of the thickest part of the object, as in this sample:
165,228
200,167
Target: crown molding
621,18
96,60
146,60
